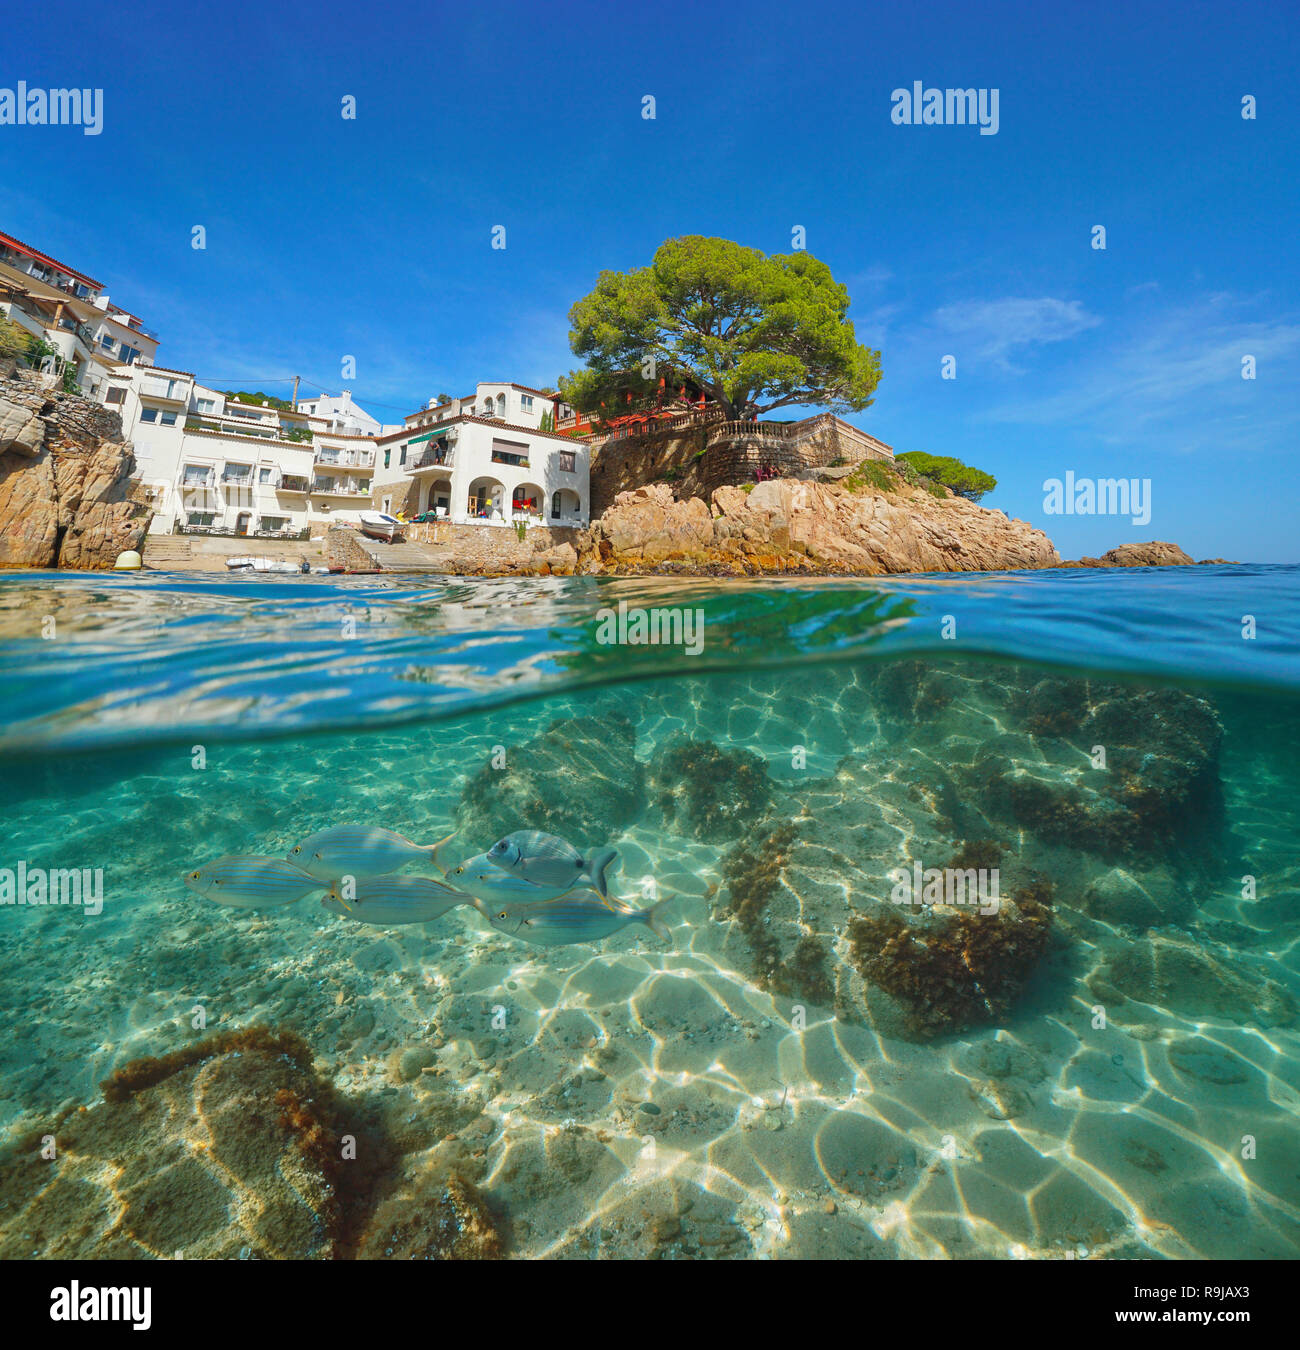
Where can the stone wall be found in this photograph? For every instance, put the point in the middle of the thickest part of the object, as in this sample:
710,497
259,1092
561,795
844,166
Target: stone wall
492,548
697,460
66,496
349,549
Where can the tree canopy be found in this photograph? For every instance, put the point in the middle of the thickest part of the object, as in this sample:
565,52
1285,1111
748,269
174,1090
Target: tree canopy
755,332
964,480
243,396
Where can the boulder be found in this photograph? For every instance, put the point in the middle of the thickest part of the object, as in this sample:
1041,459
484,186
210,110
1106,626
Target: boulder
65,482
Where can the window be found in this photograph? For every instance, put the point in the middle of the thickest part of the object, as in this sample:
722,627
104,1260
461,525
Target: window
200,517
568,461
388,454
264,476
115,396
403,458
555,507
274,522
128,354
206,405
196,475
169,419
148,414
526,402
106,341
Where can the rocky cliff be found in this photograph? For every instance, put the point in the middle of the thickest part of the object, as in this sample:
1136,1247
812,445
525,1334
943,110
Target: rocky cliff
789,525
65,495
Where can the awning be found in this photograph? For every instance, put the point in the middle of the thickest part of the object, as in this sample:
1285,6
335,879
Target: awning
415,440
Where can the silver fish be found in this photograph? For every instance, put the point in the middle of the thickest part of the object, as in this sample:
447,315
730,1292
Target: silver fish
392,900
548,860
250,882
581,917
489,883
359,851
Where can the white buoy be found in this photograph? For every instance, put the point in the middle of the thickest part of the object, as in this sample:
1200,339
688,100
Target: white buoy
130,561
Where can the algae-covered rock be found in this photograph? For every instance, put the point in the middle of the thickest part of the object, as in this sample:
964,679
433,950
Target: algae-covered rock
579,779
211,1152
707,793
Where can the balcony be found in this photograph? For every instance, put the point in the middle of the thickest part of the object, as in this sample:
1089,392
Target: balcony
325,488
432,459
344,459
292,483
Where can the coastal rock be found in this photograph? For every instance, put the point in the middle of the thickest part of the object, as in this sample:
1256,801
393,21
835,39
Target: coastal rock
787,525
66,499
21,430
1157,553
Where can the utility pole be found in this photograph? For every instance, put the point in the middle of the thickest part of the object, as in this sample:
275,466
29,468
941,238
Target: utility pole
293,402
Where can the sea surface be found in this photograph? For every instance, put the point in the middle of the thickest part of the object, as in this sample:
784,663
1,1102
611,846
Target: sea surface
1104,1062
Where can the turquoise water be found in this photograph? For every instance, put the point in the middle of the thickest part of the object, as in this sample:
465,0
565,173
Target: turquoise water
1105,1064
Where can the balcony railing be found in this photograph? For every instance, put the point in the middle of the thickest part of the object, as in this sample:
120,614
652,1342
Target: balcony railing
432,459
360,460
336,490
292,483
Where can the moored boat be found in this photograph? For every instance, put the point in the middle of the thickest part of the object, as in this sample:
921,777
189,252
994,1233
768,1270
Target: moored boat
379,526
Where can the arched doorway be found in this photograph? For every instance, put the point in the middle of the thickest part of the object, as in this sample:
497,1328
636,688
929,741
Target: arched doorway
566,507
528,503
486,499
435,495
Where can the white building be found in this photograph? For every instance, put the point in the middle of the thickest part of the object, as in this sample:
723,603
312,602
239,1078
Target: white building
69,311
211,463
485,460
342,414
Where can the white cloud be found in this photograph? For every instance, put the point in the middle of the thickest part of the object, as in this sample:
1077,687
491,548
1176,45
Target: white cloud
995,328
1175,382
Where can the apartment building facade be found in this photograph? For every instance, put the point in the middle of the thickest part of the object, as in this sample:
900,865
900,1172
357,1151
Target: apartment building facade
485,460
71,313
211,463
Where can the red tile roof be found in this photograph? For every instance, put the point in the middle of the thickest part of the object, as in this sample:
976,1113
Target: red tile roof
45,258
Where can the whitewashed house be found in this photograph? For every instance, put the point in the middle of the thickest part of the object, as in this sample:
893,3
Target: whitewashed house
485,460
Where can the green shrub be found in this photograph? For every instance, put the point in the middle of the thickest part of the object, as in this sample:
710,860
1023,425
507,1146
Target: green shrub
870,473
964,480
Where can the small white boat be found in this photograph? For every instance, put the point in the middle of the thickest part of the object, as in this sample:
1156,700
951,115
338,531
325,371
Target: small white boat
251,564
379,526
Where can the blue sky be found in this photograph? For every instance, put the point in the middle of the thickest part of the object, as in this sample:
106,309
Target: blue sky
371,238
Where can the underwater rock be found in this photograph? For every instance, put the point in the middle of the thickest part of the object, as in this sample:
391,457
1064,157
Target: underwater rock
707,793
440,1219
579,779
1117,896
1158,784
199,1153
229,1147
1170,970
957,969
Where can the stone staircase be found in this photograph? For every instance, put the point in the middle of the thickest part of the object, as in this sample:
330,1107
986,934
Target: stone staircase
408,557
165,551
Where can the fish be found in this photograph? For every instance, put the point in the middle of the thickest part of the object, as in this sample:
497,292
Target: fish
391,900
548,860
489,883
581,917
359,851
251,882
